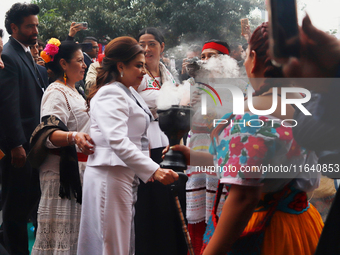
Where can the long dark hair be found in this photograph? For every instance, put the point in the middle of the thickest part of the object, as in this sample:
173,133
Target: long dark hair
121,49
259,42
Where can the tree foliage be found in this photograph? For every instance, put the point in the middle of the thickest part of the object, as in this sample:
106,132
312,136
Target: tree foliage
180,20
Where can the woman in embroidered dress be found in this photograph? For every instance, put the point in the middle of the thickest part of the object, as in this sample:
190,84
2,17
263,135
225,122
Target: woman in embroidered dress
201,186
292,225
158,229
59,218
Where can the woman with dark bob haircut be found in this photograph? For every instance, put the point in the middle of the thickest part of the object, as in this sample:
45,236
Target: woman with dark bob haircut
119,118
60,147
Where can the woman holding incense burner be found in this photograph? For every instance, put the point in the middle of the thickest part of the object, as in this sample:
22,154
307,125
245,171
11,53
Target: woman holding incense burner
119,118
264,213
158,229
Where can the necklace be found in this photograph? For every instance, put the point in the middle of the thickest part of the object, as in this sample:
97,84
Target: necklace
153,78
74,89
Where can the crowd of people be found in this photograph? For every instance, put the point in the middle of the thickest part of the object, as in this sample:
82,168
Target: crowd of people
82,146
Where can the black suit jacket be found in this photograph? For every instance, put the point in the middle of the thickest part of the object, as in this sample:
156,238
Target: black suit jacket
44,74
88,62
21,90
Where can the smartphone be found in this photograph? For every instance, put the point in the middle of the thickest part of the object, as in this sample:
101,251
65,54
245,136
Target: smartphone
84,25
284,30
244,23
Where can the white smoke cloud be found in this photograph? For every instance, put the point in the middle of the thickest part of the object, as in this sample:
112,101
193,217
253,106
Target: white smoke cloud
170,95
221,66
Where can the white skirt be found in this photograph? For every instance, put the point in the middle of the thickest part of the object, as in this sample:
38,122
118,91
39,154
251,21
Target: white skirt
58,219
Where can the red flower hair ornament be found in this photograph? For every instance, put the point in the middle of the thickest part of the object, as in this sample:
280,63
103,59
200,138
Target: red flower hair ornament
51,49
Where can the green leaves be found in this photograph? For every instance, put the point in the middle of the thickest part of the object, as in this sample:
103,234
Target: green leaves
180,20
235,129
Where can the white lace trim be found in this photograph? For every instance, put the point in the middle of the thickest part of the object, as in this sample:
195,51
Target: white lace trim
64,89
60,236
58,219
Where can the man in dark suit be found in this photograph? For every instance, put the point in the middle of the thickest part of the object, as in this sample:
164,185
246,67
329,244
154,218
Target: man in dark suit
91,53
39,61
22,87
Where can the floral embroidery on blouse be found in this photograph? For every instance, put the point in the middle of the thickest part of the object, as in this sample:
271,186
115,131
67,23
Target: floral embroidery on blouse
151,84
253,141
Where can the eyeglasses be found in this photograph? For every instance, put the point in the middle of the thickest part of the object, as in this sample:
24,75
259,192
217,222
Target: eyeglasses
95,47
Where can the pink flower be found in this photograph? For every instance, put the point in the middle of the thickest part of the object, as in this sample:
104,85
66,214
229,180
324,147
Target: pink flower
220,161
226,132
285,133
232,167
51,49
263,118
256,147
235,146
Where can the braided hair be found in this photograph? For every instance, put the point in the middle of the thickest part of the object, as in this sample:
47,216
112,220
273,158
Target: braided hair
259,42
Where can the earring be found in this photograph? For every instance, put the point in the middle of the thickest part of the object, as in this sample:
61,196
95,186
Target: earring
121,74
65,78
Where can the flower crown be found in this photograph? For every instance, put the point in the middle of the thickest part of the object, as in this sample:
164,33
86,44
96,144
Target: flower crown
50,50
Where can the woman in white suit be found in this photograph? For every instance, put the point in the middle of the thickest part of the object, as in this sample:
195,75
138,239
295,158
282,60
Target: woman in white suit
119,118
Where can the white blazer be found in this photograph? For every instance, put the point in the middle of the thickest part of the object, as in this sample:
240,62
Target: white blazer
118,129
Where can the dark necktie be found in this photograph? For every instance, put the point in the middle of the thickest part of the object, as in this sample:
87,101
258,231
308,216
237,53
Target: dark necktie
29,55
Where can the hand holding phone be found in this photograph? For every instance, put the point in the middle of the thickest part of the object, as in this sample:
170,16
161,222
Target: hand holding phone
83,25
75,28
244,26
284,31
320,56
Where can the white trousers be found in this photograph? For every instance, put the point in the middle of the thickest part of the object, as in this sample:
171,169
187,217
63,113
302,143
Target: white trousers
106,225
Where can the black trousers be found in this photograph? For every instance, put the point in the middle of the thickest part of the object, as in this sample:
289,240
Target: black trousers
157,224
20,196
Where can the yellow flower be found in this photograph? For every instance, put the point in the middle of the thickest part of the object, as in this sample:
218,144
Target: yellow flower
47,58
54,41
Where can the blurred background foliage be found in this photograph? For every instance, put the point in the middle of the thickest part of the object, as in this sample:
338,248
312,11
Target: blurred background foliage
181,21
